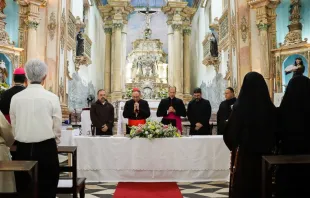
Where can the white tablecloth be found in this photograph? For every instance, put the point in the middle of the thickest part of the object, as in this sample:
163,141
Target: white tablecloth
66,138
113,159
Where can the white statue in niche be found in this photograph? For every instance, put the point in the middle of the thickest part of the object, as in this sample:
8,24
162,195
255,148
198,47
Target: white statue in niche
3,72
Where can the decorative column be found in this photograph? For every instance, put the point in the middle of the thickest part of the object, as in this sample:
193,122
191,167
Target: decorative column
115,16
186,53
177,73
32,25
179,18
32,8
264,51
170,56
107,64
117,87
265,20
186,61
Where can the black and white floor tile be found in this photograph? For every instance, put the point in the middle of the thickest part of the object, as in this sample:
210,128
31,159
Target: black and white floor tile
189,190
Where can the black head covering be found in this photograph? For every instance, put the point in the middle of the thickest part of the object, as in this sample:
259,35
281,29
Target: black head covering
257,114
295,115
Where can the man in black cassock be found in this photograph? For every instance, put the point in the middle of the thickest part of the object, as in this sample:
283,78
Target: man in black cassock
198,114
102,114
136,110
171,109
225,109
20,82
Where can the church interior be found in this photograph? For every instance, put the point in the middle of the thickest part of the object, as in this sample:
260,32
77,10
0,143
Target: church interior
120,46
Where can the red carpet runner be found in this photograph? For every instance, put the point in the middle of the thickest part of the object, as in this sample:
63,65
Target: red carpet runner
147,190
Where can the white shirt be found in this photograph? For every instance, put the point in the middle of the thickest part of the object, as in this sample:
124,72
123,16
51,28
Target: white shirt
35,115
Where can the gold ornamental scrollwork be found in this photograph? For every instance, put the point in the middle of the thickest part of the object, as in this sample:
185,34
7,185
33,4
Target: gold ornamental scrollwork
244,29
68,70
61,88
62,29
233,32
52,26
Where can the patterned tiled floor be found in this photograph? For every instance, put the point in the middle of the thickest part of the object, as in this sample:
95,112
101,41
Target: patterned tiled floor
189,190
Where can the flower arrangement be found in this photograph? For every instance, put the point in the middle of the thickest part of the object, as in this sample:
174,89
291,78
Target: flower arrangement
163,93
128,93
153,129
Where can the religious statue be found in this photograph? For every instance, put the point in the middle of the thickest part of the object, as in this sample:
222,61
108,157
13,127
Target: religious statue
295,11
213,46
147,33
2,6
3,72
80,44
148,14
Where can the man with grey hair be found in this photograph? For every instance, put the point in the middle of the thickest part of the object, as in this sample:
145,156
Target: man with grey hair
36,120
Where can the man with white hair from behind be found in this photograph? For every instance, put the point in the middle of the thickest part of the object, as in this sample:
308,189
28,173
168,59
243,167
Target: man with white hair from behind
36,120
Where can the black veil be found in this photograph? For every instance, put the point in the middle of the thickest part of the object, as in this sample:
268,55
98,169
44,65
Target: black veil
256,115
295,115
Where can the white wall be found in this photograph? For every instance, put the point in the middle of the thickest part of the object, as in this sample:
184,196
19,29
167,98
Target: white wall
200,27
94,72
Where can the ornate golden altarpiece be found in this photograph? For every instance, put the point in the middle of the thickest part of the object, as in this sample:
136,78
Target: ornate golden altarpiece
6,46
282,53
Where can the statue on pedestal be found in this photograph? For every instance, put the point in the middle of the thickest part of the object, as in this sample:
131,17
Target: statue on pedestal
80,44
2,6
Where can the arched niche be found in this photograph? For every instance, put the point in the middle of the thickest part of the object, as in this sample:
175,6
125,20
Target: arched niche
290,60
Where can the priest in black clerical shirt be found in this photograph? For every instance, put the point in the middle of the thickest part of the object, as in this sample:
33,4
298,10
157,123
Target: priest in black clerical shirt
102,114
20,82
136,110
225,110
198,114
171,109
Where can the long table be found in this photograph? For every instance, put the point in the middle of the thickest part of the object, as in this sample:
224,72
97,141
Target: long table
186,159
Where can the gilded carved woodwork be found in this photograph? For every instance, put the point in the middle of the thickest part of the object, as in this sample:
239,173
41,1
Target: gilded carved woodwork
223,30
244,29
61,89
84,57
282,53
52,26
294,35
4,36
62,29
71,29
208,59
233,36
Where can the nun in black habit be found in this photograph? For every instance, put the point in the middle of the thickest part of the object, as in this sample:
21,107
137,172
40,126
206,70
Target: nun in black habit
249,134
294,114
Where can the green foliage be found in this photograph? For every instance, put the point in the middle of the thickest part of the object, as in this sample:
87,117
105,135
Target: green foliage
153,129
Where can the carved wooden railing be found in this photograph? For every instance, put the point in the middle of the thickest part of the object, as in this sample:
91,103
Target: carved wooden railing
223,24
206,46
87,46
71,31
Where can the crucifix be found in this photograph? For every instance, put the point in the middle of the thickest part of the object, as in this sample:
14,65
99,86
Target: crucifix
148,14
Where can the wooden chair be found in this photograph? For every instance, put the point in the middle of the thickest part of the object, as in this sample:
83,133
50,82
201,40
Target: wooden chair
269,161
72,185
22,166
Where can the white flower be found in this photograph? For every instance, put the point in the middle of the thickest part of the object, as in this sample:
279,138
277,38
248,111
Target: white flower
146,132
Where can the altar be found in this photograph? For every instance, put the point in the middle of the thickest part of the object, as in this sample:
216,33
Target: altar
121,159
